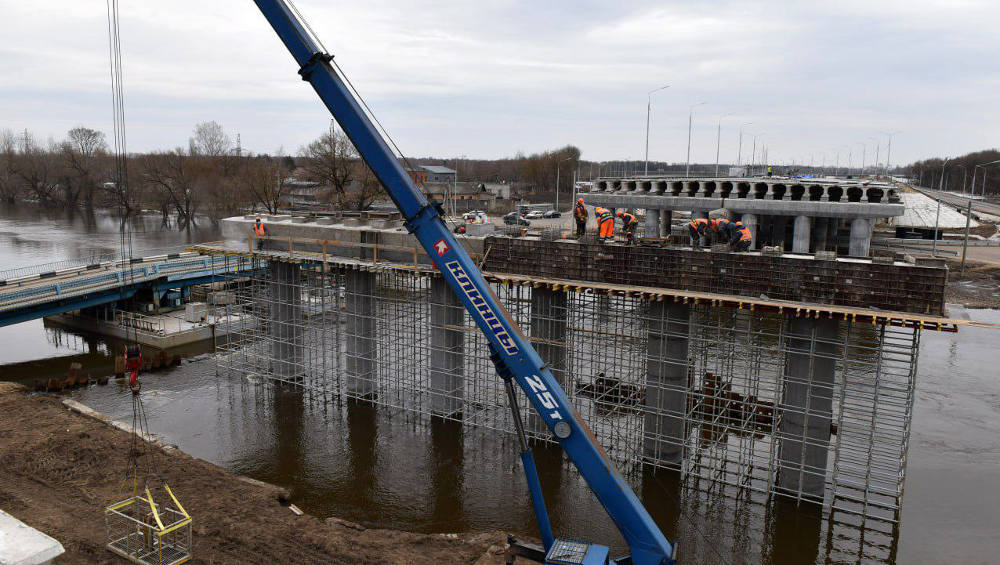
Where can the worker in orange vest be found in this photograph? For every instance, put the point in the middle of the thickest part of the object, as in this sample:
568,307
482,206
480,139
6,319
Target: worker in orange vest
697,228
745,240
259,231
580,215
605,224
629,225
720,230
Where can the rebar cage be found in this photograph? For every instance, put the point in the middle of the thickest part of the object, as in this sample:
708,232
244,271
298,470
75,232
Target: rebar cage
146,532
747,403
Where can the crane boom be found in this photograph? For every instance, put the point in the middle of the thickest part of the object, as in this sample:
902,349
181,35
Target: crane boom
513,355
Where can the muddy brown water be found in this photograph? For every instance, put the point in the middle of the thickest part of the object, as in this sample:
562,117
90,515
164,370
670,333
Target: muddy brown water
394,470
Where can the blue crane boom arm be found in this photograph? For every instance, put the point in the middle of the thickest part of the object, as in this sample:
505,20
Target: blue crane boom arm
513,353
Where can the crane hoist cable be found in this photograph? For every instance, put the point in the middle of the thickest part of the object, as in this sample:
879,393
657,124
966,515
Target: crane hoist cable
164,524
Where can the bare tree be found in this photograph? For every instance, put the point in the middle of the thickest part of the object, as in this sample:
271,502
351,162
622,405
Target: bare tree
173,175
85,158
9,182
210,140
263,180
35,167
332,160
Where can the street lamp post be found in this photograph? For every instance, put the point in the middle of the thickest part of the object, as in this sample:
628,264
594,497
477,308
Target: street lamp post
888,152
649,104
687,167
968,212
558,164
718,141
937,216
864,150
739,152
877,143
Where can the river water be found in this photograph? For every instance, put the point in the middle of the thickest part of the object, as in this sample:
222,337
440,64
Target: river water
395,470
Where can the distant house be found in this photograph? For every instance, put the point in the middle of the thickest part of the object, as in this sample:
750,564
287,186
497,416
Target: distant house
423,174
300,193
464,195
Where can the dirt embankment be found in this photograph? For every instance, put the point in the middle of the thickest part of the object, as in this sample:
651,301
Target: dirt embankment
978,287
59,469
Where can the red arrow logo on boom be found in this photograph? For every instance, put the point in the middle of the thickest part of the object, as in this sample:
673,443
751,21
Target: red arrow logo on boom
441,247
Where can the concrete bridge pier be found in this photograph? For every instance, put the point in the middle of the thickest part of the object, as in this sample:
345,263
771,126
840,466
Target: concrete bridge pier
286,321
861,237
806,408
652,227
818,234
665,222
802,234
666,382
780,223
548,333
833,234
447,350
750,221
360,312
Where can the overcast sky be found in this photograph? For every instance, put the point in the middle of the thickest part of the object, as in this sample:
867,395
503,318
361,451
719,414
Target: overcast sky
489,79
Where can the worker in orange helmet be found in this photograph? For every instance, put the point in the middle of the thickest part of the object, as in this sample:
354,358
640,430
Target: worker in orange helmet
720,230
697,227
605,224
259,231
629,225
580,215
745,237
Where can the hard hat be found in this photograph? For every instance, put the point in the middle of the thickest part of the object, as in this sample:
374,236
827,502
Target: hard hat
618,213
258,218
579,200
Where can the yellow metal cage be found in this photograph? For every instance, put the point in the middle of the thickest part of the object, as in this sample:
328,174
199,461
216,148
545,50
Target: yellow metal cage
148,533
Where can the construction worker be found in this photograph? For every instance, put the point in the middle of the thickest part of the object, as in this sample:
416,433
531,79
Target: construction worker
720,229
580,215
697,228
743,240
259,231
605,224
629,224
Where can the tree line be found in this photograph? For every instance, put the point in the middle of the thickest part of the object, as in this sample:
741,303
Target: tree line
956,174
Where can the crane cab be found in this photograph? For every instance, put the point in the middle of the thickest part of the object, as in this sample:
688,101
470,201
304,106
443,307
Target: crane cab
574,552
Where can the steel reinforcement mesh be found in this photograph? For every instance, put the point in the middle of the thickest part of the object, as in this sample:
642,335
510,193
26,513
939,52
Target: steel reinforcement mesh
745,404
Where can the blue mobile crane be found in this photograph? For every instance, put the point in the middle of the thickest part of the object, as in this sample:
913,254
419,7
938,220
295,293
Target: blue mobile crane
515,359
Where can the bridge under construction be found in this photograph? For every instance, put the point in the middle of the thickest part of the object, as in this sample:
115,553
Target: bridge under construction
797,382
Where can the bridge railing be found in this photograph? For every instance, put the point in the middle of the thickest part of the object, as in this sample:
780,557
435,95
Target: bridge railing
93,260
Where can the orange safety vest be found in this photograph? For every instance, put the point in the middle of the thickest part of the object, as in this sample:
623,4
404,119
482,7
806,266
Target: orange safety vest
258,228
580,213
603,214
698,221
745,234
629,219
720,224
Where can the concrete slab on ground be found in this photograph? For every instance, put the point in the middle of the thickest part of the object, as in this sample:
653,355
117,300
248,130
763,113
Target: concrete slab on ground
20,544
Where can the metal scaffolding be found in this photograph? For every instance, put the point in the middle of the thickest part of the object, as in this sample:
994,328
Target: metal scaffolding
747,404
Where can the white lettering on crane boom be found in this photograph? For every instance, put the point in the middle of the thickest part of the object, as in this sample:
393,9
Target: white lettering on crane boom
482,307
544,396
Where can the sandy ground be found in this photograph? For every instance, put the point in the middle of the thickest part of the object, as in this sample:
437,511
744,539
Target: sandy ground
58,469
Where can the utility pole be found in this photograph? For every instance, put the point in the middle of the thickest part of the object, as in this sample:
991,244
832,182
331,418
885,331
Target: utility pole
649,104
718,142
937,217
687,168
558,165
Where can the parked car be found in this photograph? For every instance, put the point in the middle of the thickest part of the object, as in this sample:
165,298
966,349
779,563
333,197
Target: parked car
553,214
513,218
534,215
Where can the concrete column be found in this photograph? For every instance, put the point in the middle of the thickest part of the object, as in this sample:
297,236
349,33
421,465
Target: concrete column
750,221
803,233
832,231
665,222
286,321
666,382
861,237
652,227
819,234
447,350
548,327
359,300
806,407
778,231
